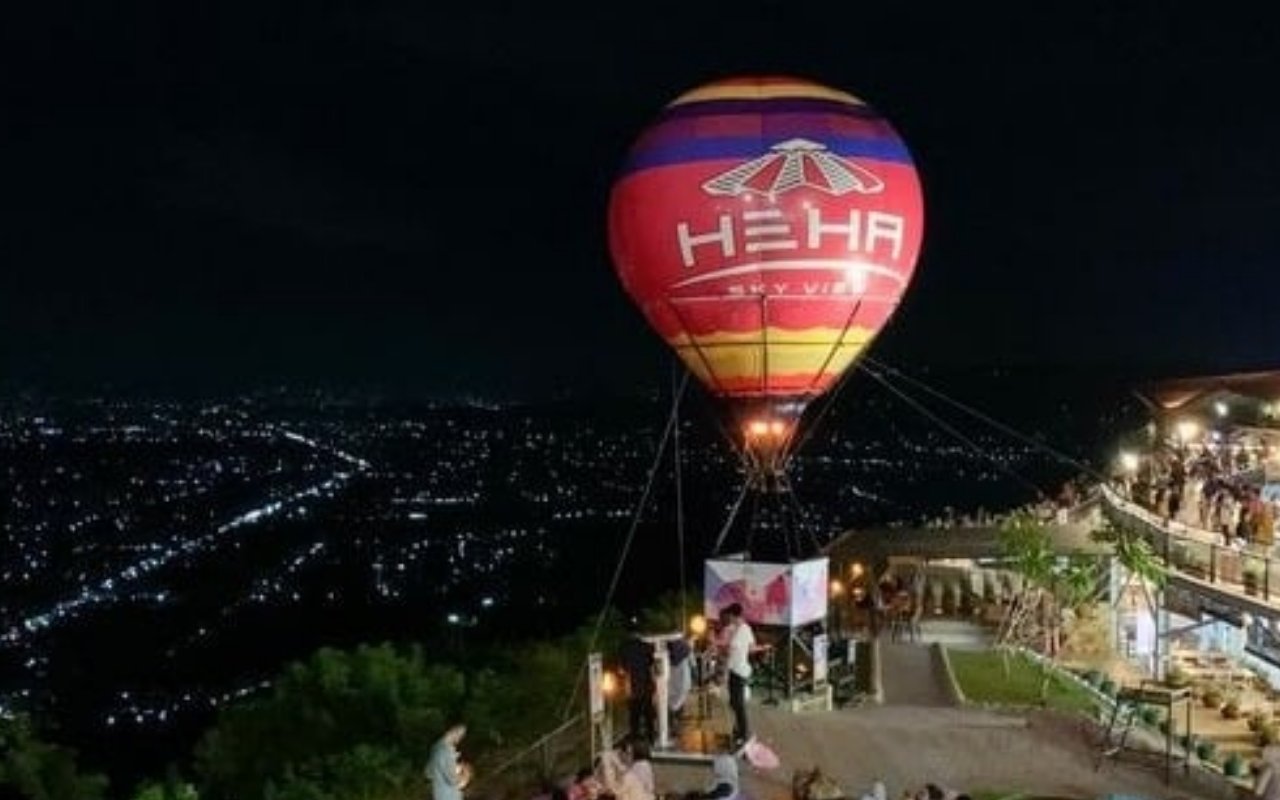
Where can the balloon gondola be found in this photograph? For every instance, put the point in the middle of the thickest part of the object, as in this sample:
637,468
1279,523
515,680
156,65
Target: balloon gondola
767,228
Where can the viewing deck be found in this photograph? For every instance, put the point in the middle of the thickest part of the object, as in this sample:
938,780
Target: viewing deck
1242,578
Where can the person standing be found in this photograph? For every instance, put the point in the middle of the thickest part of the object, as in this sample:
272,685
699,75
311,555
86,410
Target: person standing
448,777
637,660
679,652
742,643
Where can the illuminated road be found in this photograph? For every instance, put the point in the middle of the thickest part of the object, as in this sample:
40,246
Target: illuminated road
111,588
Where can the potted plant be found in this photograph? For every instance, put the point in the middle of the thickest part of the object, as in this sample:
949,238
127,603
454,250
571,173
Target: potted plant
1231,709
1212,697
1268,735
1256,721
1251,581
1233,767
1149,715
1177,678
1207,751
1188,742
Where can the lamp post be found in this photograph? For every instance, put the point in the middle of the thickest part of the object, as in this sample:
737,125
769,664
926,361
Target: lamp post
608,688
837,597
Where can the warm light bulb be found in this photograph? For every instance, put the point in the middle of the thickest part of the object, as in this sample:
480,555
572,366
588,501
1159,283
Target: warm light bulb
608,684
698,625
837,588
1129,462
757,427
1187,429
777,427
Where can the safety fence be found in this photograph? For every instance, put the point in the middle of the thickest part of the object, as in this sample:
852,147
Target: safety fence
1196,553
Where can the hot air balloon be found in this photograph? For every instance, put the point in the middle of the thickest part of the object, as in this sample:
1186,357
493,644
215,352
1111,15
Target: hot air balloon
767,228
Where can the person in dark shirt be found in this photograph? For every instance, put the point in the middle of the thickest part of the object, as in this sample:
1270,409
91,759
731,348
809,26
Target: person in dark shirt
636,656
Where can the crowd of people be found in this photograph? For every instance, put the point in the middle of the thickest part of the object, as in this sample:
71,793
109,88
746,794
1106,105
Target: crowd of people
627,774
723,661
1203,488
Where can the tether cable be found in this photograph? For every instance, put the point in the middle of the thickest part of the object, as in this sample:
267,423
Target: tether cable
631,534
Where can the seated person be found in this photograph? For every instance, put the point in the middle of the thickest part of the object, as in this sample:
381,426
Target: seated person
620,780
637,760
724,784
585,786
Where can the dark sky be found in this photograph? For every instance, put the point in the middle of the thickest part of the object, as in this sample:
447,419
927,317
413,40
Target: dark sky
412,194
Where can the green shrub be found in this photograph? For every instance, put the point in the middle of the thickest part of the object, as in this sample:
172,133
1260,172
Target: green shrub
1207,751
1212,698
1233,767
1093,677
1268,735
1149,715
1231,710
1107,687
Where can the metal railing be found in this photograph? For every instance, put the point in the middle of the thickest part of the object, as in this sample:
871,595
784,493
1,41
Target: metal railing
558,752
1196,553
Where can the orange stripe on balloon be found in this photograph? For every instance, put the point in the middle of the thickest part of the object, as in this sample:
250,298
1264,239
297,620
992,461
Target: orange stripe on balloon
764,91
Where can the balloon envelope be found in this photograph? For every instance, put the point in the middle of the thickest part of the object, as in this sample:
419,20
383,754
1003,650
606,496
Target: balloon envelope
767,229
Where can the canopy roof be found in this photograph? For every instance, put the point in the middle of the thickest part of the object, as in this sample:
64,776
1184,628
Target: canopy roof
1178,393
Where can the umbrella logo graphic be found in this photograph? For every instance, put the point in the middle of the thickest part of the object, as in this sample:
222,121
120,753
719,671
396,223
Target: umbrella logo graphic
793,164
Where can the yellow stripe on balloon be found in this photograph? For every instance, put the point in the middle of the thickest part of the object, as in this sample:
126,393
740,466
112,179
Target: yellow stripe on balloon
724,361
765,91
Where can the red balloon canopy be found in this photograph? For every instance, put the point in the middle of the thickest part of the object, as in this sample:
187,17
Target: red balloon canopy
767,229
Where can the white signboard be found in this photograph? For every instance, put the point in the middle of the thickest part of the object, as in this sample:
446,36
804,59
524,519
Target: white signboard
789,595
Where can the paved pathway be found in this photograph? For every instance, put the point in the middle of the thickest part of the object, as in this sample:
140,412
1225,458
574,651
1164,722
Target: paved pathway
1041,754
911,675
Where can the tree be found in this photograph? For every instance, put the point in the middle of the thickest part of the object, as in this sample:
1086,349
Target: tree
1050,585
37,770
167,790
1141,564
373,708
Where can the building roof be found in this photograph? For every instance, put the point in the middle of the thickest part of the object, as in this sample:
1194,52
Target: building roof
1177,393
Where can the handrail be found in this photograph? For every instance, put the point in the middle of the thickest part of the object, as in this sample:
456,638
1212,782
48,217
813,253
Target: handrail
1178,542
540,743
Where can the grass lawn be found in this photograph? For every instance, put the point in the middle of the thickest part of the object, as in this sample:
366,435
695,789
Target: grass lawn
981,676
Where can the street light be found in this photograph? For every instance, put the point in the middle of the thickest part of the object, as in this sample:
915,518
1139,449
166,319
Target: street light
608,684
698,625
1187,430
837,592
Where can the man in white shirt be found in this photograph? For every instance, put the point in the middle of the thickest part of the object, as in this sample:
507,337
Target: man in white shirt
742,643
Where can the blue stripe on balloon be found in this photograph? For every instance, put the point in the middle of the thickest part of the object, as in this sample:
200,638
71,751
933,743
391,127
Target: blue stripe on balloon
749,147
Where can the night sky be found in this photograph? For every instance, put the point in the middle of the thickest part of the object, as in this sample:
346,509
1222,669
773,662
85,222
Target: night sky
411,195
